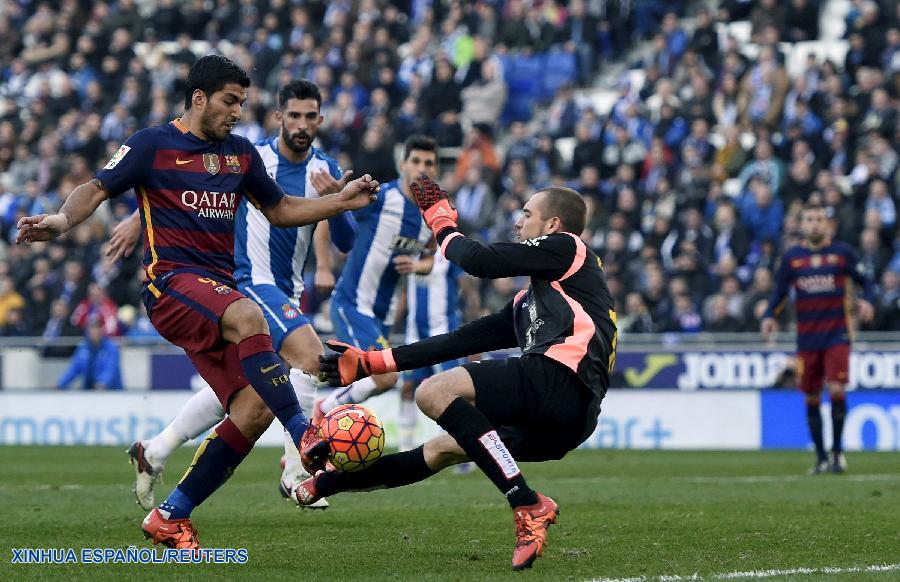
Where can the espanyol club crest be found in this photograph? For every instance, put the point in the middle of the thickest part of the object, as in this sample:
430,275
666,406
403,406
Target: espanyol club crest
815,261
211,163
290,312
233,163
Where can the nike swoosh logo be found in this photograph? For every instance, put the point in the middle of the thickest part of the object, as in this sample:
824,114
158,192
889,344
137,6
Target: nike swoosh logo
268,369
182,162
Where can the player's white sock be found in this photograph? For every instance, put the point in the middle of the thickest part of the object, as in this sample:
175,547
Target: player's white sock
305,387
406,423
292,464
198,415
355,393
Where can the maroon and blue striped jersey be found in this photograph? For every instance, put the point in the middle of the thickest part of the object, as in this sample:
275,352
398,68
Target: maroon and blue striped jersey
188,193
822,281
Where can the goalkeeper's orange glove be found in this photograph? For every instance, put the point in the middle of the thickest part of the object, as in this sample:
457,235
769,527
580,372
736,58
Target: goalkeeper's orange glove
349,364
434,204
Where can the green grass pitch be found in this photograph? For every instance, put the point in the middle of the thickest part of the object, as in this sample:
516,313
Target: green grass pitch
623,514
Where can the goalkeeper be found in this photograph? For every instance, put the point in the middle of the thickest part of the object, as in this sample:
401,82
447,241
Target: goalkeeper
536,407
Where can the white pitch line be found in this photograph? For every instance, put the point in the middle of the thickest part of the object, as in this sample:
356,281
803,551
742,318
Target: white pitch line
757,574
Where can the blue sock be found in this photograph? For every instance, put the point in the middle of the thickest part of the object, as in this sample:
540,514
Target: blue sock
177,504
214,462
269,377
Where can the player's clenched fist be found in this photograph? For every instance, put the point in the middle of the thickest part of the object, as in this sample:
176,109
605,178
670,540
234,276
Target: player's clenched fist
434,204
360,192
350,364
41,227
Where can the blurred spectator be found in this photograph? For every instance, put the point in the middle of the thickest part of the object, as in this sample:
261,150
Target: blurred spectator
637,317
97,307
483,100
761,211
10,300
720,320
474,202
96,362
685,318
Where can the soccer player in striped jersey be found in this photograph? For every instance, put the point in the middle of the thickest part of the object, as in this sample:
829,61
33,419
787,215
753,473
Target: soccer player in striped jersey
190,176
536,407
365,297
432,304
821,273
270,263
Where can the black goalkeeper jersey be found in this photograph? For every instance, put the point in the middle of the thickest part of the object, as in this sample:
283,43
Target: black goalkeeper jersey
566,314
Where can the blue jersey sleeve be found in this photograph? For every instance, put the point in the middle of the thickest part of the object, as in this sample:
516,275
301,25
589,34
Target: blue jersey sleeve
343,229
261,190
130,164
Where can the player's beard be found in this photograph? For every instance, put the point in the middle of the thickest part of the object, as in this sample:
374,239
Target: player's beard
212,131
815,239
300,146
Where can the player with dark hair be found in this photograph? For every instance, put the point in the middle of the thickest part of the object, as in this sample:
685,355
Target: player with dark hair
391,234
269,269
536,407
821,272
190,176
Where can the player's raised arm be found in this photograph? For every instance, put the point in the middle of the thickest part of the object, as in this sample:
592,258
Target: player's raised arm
80,204
548,247
489,333
296,211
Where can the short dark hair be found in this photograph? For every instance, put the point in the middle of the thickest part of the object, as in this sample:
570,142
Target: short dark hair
210,74
299,89
419,142
567,205
812,206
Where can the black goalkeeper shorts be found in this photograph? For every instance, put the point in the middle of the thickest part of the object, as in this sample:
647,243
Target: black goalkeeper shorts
539,407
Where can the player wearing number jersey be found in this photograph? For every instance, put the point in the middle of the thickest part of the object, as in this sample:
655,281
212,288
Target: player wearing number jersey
391,235
536,407
269,269
190,175
821,273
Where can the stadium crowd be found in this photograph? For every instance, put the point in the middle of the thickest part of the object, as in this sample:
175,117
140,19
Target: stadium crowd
683,251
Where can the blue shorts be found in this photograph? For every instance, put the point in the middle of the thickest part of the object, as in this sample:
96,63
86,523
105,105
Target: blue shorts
282,313
362,331
419,375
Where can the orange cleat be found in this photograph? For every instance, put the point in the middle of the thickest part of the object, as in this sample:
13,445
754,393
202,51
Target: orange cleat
174,533
532,522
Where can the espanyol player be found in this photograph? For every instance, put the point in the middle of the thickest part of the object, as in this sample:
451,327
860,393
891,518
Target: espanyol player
391,234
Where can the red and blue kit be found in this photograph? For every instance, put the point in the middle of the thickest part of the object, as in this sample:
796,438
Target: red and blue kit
822,281
188,193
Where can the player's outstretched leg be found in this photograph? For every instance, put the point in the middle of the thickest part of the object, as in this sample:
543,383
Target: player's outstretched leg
215,461
446,398
814,420
198,415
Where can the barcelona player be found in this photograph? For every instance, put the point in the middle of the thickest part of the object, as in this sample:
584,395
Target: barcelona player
821,273
190,176
391,233
270,263
536,407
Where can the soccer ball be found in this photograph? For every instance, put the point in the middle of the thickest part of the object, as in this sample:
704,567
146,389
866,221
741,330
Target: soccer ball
355,436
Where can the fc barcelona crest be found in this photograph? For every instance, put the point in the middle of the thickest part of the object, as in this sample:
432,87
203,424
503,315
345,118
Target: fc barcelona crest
816,261
211,163
233,163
